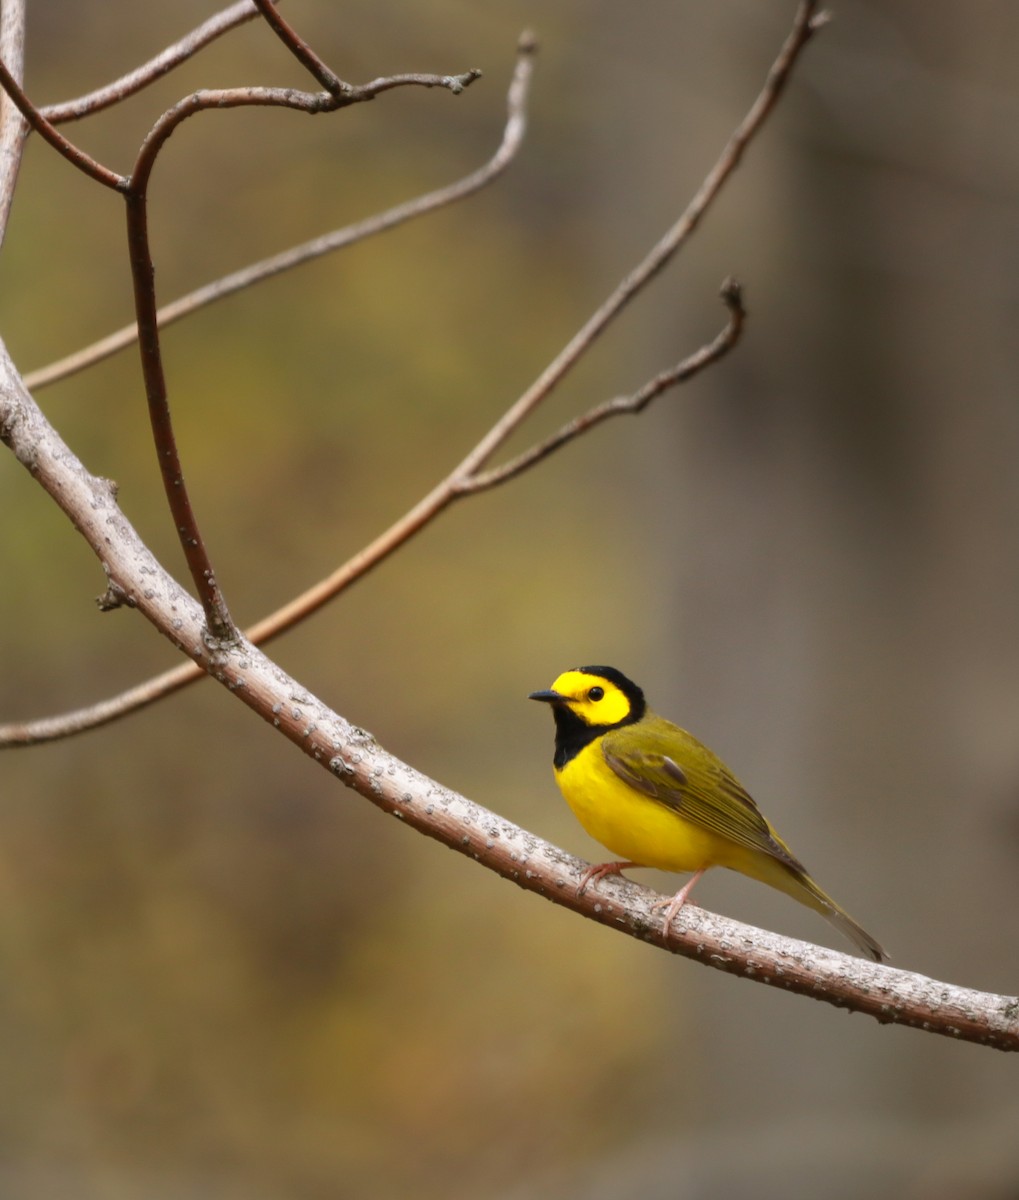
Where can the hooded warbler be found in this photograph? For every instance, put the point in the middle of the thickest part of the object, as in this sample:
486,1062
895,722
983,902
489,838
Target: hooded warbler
653,794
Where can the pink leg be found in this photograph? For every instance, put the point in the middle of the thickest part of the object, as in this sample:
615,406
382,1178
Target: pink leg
598,872
673,905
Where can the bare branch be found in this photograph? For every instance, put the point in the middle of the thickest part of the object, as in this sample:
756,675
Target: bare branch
17,734
354,757
220,623
512,140
453,83
276,97
164,62
636,403
13,125
345,93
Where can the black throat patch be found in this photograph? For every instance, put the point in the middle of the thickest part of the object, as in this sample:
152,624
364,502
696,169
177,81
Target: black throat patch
572,733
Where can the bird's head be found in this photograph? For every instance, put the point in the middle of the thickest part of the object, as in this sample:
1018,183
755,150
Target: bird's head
594,697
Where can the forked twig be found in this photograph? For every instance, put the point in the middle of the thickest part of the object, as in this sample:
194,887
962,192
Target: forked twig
300,49
460,481
732,295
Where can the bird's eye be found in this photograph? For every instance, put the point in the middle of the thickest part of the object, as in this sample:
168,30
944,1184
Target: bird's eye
596,693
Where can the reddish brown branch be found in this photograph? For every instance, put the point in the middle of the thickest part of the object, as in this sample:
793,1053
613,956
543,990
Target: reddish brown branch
64,146
220,625
300,49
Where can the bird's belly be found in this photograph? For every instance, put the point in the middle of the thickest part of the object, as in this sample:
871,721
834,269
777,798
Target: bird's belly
632,825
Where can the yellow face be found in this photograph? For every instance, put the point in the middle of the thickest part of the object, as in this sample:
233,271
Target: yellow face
593,698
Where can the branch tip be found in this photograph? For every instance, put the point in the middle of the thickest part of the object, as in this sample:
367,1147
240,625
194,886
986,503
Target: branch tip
731,292
457,83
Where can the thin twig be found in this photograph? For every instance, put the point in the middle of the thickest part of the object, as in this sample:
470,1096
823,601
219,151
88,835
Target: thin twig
337,239
164,62
636,403
208,99
342,92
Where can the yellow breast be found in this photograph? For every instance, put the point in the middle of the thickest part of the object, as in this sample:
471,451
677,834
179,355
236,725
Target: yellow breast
631,824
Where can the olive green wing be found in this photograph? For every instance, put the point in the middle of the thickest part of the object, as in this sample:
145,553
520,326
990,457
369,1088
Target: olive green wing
671,766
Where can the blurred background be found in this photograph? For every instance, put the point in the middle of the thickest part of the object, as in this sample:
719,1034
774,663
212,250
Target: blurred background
223,975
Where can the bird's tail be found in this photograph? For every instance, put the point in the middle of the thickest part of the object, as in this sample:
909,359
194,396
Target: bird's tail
788,875
823,904
801,887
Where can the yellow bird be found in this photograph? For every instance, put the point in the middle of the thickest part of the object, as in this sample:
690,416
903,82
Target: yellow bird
654,795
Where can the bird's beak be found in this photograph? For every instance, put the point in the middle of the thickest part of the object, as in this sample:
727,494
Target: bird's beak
547,697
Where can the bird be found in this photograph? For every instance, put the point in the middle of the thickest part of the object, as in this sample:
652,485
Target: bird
653,794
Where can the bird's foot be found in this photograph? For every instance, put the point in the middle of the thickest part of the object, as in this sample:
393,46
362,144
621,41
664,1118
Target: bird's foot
600,871
672,904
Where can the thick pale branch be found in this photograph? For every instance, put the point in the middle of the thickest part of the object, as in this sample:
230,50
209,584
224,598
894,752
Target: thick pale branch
353,756
13,125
